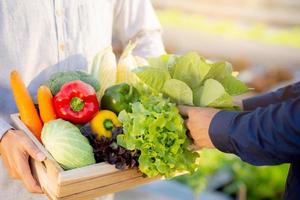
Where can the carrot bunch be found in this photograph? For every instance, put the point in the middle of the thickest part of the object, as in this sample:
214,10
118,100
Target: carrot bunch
28,113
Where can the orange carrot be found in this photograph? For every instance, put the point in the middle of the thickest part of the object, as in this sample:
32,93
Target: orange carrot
27,111
45,101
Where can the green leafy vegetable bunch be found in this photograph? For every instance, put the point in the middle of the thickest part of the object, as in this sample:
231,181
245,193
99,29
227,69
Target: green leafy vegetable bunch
156,129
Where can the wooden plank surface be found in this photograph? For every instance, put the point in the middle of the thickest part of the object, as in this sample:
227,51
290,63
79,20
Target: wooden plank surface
100,181
123,185
48,184
80,174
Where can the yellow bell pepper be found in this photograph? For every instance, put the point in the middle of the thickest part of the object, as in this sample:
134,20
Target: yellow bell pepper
104,123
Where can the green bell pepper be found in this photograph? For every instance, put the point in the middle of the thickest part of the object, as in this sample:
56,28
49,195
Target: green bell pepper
118,97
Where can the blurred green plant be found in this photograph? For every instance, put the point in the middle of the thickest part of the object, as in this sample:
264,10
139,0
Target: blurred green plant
257,31
261,182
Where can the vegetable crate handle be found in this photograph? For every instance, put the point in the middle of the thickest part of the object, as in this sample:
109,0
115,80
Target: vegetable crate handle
39,171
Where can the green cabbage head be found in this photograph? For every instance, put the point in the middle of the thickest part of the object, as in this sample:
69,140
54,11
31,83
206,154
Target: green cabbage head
67,145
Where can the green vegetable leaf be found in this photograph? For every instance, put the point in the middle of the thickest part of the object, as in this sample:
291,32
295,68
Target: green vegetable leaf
233,86
218,71
224,101
197,96
212,93
191,69
164,61
155,78
180,92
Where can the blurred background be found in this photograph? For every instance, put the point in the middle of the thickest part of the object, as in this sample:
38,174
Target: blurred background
261,38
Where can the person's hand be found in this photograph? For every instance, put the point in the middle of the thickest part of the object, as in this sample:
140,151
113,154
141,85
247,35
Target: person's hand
198,121
15,148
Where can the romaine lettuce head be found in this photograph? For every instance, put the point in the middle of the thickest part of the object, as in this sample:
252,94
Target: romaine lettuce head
67,145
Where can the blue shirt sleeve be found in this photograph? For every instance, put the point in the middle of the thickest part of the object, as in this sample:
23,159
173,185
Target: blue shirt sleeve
278,96
265,136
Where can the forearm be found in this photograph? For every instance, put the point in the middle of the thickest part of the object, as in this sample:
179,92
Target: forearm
278,96
265,136
149,43
136,21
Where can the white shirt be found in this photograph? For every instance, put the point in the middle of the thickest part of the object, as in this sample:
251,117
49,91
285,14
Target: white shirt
40,37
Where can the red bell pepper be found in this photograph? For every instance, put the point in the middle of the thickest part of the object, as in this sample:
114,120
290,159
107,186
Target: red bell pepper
76,102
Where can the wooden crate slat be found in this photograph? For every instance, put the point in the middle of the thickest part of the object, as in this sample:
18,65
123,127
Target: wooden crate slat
49,184
100,181
80,174
123,185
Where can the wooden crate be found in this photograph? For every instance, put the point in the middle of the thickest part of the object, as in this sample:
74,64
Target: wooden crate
81,183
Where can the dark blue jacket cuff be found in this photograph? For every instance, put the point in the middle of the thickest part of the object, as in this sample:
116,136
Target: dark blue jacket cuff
219,130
